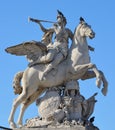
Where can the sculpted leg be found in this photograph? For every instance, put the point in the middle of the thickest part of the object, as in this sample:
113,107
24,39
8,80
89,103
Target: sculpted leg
96,73
91,74
59,57
24,105
44,59
11,117
16,103
82,68
44,73
22,110
105,84
85,67
88,75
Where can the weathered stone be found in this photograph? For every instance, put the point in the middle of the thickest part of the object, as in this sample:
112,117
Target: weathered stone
49,104
78,128
54,66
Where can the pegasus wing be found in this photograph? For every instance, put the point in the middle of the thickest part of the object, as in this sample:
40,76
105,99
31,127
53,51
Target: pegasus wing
31,49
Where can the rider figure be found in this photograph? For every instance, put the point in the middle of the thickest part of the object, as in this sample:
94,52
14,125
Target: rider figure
48,33
58,51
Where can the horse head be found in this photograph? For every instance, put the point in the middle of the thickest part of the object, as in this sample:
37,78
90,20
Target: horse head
79,50
85,30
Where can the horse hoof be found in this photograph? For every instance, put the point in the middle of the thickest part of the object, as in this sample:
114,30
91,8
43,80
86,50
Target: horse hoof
104,91
13,125
20,125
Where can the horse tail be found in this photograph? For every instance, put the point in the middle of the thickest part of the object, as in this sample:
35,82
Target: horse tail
17,83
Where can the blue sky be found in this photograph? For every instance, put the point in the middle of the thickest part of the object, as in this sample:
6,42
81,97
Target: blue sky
14,29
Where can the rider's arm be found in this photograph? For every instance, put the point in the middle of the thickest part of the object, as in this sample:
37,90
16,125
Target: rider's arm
42,27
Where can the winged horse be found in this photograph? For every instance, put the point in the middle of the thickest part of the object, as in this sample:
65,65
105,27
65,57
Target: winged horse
76,66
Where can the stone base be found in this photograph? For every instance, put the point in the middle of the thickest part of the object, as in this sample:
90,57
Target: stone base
90,127
37,124
78,128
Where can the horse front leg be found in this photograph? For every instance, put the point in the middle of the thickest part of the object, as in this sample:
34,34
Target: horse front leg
105,84
98,75
85,67
100,78
91,74
95,70
78,69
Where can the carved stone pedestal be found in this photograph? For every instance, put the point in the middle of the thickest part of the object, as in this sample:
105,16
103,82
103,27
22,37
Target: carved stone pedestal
78,128
70,128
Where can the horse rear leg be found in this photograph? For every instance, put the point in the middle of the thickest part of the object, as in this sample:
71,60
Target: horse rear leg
16,103
29,101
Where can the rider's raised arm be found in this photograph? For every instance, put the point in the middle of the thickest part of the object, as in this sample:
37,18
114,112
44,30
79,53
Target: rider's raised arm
42,27
38,22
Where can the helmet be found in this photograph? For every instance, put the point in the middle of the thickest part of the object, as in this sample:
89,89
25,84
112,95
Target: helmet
72,85
60,14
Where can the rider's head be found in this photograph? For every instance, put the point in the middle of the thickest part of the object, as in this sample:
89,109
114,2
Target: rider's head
61,18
